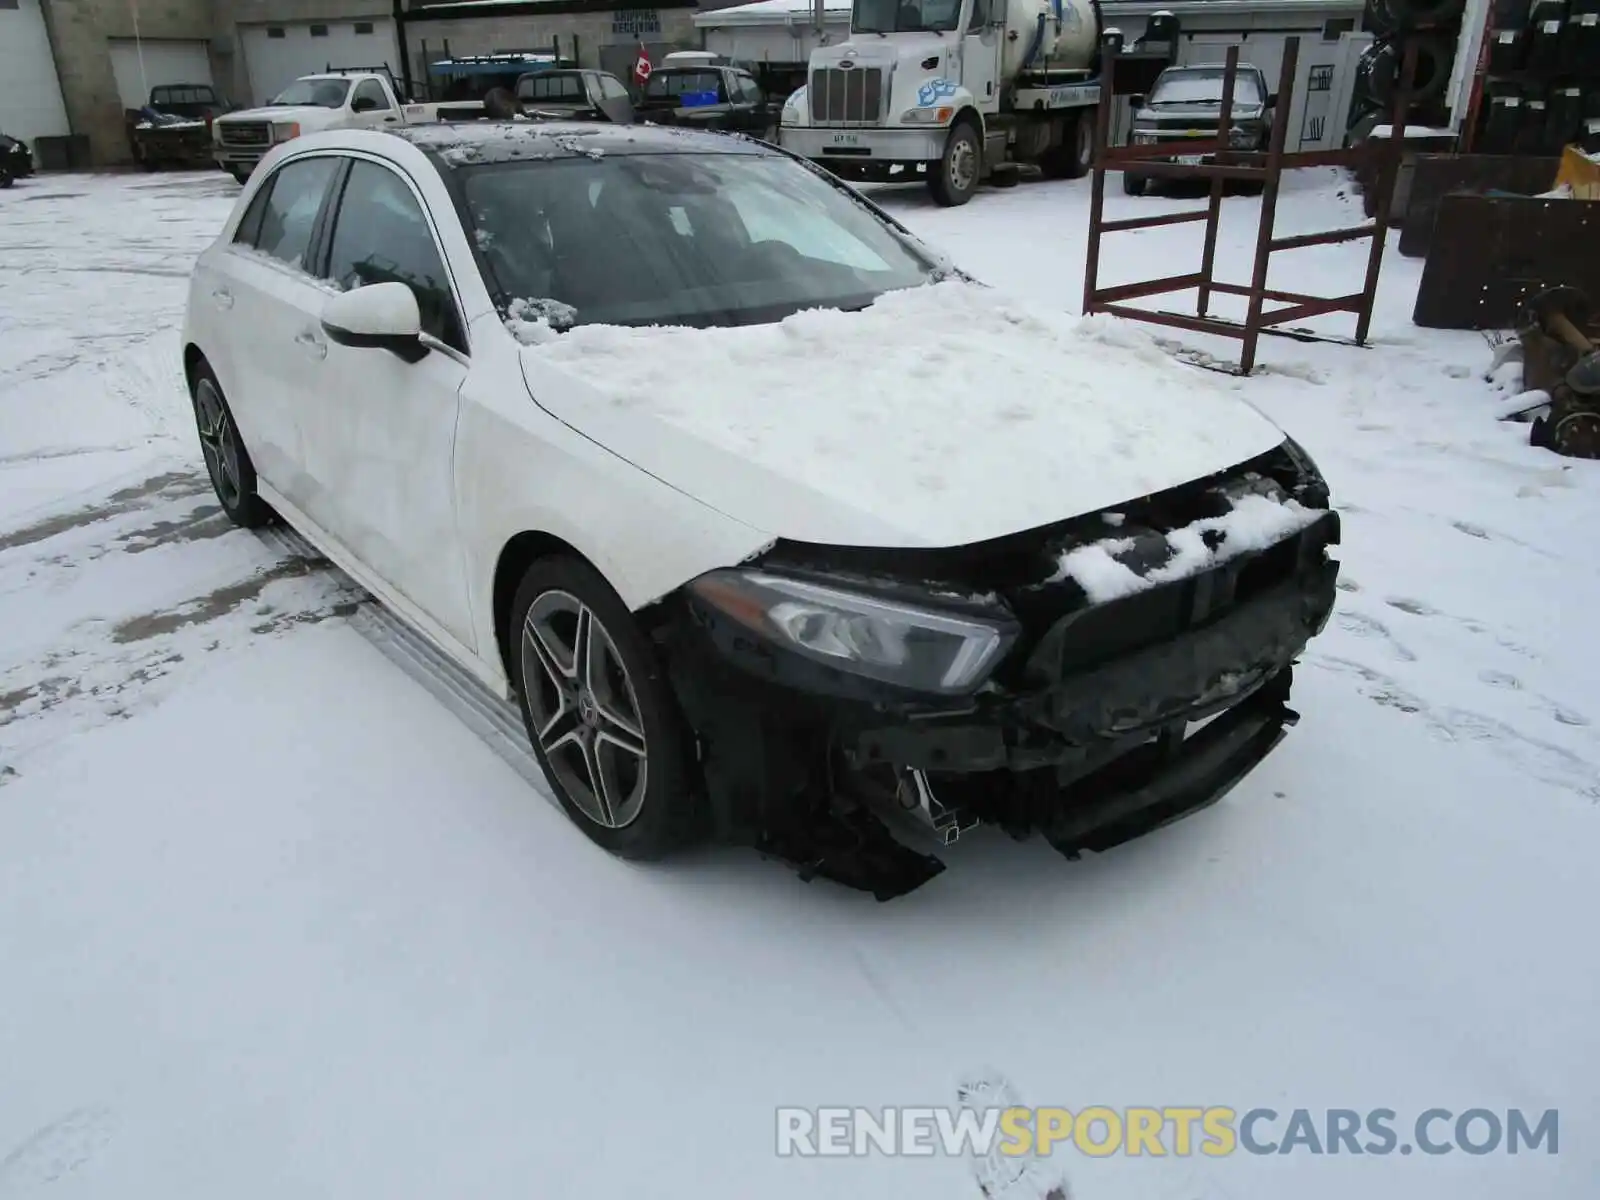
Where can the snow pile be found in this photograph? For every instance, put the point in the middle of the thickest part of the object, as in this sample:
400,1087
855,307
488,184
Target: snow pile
946,396
536,321
463,145
1253,523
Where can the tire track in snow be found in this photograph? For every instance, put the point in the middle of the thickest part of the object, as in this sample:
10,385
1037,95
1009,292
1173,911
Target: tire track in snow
1545,761
113,649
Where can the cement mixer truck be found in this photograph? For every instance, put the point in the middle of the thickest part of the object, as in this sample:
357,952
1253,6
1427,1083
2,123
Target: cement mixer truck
952,91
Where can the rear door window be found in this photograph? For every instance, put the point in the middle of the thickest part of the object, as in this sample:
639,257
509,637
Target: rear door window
288,215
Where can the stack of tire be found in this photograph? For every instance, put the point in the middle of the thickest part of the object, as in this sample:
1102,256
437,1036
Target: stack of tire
1434,26
1543,86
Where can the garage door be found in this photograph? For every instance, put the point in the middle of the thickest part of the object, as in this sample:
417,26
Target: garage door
30,93
277,55
1264,50
140,66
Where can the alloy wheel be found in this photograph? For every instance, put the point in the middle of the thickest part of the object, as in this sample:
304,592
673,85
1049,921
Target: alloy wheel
584,709
219,442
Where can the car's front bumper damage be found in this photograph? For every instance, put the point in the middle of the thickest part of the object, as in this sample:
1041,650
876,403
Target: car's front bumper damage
1089,732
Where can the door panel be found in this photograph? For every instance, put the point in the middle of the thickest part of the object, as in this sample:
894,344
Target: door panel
266,296
980,57
380,434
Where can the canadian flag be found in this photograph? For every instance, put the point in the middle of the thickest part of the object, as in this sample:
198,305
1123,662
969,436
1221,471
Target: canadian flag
641,66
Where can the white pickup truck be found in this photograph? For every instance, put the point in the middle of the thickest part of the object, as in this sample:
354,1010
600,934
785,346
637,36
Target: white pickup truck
312,103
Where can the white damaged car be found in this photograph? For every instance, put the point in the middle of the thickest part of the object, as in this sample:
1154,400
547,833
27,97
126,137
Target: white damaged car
779,529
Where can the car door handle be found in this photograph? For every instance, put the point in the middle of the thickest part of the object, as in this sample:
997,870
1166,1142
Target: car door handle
390,120
312,344
223,298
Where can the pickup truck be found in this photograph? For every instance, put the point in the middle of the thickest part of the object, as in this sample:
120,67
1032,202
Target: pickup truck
709,97
196,101
344,99
1185,105
575,95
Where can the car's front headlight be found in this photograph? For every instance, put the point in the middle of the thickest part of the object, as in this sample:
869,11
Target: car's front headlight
283,131
928,116
1144,137
924,649
1240,136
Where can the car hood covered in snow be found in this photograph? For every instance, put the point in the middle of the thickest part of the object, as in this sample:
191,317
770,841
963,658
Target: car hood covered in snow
939,416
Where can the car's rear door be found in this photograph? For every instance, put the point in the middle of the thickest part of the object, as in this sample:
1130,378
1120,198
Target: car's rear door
381,431
265,299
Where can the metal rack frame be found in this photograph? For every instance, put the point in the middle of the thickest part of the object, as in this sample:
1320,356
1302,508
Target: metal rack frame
1229,165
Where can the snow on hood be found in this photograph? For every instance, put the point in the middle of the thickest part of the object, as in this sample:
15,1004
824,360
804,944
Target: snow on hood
279,112
939,416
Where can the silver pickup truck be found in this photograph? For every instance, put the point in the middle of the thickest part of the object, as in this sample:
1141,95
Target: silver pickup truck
1186,104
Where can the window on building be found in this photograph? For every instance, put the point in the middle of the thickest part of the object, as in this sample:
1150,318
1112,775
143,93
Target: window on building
275,31
319,31
11,4
363,26
1334,26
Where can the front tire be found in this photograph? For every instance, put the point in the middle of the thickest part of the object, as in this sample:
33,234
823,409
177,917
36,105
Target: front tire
955,178
599,712
233,475
1132,184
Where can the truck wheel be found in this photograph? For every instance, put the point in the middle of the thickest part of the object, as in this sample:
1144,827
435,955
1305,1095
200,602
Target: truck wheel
1133,184
240,174
1075,155
955,177
5,175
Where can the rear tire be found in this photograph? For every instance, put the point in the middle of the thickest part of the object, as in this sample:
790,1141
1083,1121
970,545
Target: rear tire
6,179
600,713
242,176
233,475
954,178
1132,184
1073,158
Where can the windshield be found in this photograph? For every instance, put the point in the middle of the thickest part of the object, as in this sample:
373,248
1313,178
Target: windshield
904,16
682,83
182,95
552,86
678,239
1205,87
324,93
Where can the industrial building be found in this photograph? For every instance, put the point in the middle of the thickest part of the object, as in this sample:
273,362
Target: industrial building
70,68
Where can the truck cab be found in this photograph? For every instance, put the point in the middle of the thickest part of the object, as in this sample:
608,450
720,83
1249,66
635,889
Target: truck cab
948,90
335,99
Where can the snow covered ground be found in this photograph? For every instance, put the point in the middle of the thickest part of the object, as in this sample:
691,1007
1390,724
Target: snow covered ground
275,922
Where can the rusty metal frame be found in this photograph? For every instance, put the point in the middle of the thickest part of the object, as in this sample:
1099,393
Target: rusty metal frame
1230,164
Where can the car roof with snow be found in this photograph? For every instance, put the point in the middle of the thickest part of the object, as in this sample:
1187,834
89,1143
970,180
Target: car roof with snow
470,143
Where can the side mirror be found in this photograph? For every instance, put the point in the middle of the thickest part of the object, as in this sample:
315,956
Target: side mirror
380,316
363,104
1272,99
1137,100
